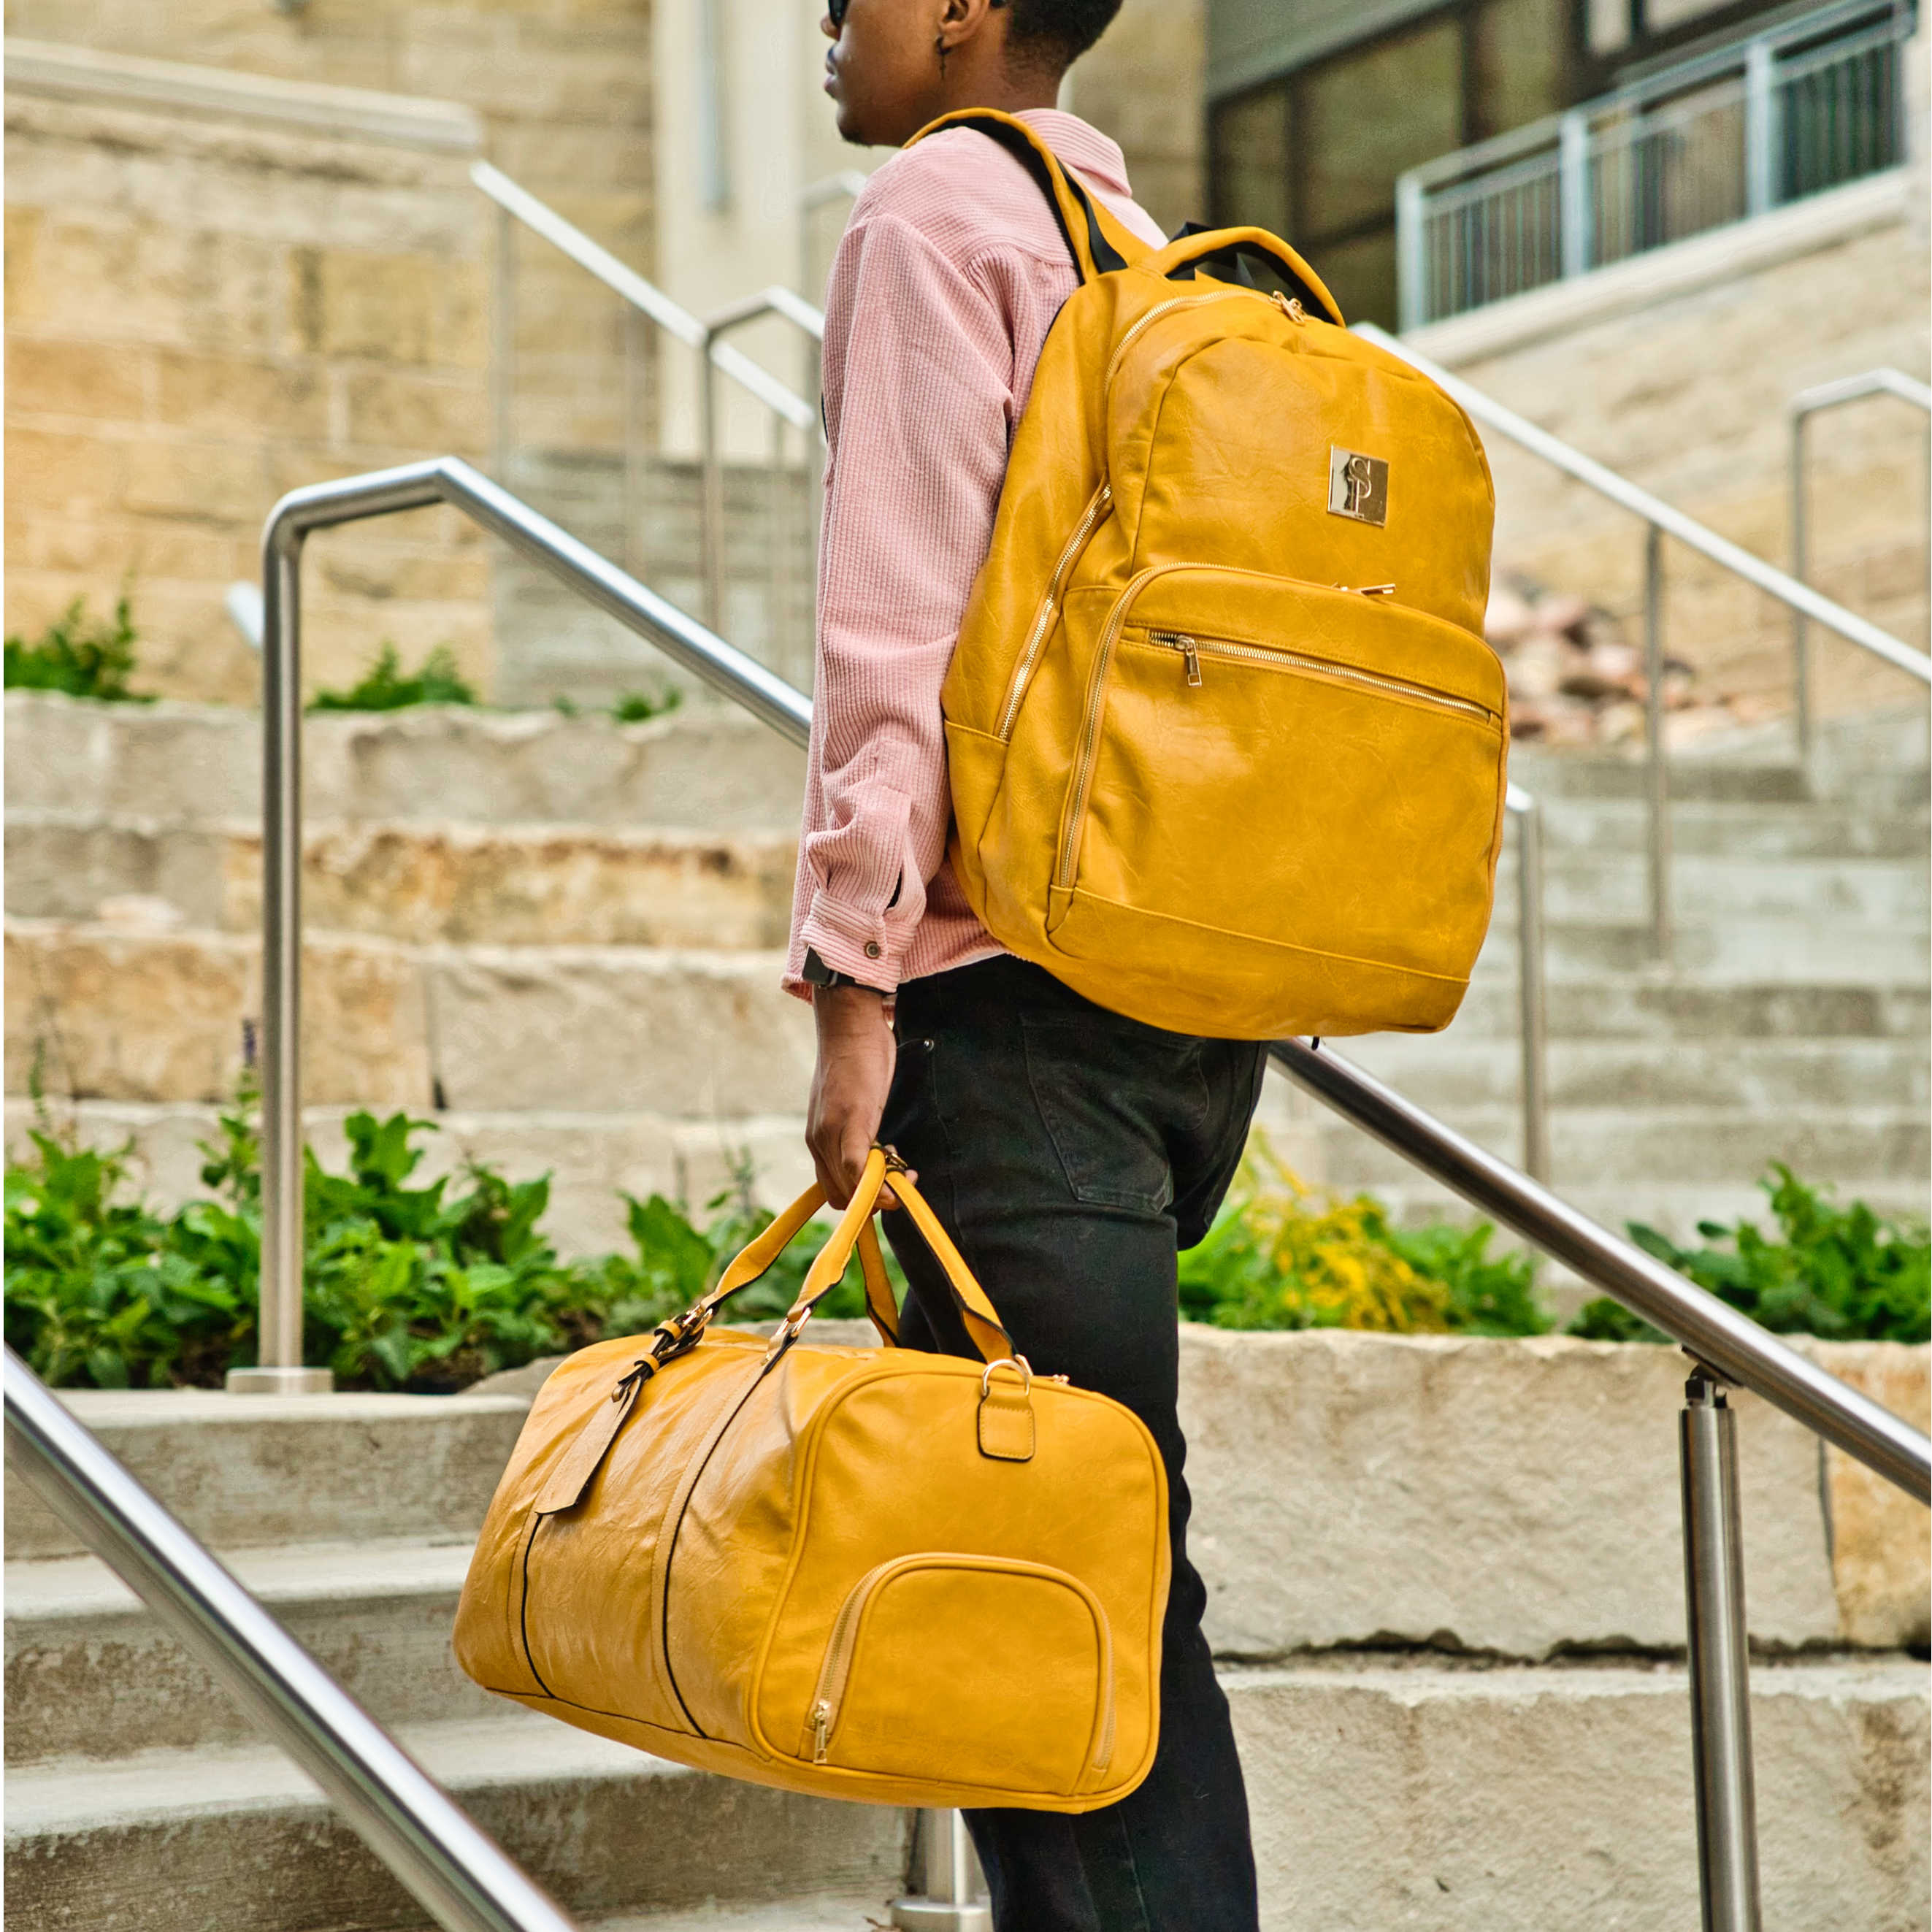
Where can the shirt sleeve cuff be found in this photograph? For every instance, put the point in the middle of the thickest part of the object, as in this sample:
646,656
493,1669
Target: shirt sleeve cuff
866,946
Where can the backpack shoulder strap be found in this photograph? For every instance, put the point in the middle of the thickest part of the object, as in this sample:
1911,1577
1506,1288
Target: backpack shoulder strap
1098,243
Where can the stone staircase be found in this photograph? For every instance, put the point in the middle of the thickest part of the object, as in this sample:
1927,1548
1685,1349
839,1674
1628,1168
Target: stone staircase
1444,1581
558,936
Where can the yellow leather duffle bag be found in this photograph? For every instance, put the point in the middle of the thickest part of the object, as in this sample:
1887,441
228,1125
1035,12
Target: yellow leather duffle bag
1227,745
871,1574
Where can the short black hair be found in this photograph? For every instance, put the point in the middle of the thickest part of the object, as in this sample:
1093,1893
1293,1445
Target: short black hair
1055,33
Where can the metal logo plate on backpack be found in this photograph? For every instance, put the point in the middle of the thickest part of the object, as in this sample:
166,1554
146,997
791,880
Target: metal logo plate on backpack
1357,486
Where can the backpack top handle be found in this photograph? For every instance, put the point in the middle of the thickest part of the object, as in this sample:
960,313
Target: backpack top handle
1098,243
1248,258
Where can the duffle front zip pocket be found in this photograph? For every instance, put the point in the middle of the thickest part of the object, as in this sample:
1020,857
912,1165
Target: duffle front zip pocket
1272,764
891,1698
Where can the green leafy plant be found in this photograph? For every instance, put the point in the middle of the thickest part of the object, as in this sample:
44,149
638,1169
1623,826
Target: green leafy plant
635,707
420,1287
1279,1256
385,686
1842,1272
84,657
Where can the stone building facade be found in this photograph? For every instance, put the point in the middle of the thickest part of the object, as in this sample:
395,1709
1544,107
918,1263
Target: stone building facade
216,291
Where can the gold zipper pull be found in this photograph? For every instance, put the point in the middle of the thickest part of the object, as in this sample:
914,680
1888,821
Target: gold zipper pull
821,1729
1190,651
1290,306
1377,590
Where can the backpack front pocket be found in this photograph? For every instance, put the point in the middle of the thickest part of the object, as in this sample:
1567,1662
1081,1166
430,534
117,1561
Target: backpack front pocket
975,1670
1284,765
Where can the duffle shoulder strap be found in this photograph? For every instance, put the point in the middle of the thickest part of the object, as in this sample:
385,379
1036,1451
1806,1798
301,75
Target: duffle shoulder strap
1098,242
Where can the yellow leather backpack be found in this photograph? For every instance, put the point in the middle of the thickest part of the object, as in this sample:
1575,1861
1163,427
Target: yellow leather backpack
1228,747
870,1574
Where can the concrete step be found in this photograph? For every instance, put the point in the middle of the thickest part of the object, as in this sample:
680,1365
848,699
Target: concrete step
142,1845
1761,947
1596,886
88,1672
427,884
246,1472
1671,1148
589,884
1519,1801
1655,1005
1497,1799
180,764
1721,828
842,1911
593,1160
1449,1072
108,1013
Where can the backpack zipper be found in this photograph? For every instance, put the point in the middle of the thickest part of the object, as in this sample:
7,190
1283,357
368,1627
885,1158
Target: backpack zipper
1097,507
1192,650
1153,315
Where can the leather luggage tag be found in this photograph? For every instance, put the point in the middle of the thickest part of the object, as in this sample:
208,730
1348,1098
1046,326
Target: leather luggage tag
1006,1425
571,1476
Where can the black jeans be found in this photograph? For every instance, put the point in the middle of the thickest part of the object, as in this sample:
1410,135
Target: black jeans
1071,1154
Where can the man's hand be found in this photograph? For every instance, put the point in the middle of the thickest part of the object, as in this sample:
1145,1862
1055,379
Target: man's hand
857,1053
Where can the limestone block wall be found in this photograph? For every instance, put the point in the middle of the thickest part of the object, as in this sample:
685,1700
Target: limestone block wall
561,89
1676,368
217,289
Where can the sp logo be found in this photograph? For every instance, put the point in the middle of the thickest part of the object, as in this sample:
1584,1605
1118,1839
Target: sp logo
1357,486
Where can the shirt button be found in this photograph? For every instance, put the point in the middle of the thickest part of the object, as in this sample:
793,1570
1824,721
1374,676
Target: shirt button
873,948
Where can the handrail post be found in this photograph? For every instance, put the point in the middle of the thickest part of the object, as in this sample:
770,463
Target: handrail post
711,487
1531,1011
947,1900
1657,765
1720,1659
1414,296
1801,544
1573,178
503,333
279,1369
1760,128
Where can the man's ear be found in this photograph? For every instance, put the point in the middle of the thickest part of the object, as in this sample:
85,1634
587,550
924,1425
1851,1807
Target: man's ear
962,20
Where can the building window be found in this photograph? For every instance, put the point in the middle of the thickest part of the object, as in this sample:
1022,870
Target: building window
1314,155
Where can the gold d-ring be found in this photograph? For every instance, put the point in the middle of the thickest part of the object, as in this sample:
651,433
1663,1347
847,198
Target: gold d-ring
1018,1362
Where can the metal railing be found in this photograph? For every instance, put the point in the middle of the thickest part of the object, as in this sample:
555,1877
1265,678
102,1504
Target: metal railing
1726,1346
1802,407
1661,519
1804,107
644,302
457,1873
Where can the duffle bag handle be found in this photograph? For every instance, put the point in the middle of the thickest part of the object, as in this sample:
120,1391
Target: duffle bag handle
758,1254
982,1323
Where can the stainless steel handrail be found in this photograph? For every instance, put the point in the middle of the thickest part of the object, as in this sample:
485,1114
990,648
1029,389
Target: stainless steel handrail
1716,1333
1711,1330
644,299
379,493
1727,1345
458,1874
1661,520
623,280
1532,1022
1802,407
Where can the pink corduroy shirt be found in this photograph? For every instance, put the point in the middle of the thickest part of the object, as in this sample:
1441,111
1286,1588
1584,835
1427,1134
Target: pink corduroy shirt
950,272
